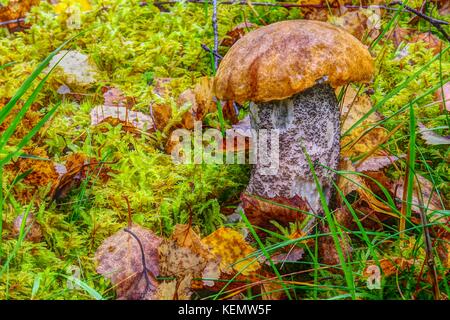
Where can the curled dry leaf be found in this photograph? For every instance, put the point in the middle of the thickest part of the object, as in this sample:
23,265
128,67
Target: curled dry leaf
233,251
131,270
432,137
202,101
76,169
32,227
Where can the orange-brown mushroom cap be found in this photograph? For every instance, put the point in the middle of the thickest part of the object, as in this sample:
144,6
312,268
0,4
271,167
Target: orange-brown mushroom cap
279,60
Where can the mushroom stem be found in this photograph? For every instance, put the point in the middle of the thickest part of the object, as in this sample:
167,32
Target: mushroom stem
307,121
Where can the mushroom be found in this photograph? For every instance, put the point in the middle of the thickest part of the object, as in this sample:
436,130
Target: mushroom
287,70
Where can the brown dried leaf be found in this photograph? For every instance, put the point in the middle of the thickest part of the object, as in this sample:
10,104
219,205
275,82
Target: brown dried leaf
354,22
120,259
389,266
349,182
175,290
260,212
431,41
176,261
272,290
185,255
202,101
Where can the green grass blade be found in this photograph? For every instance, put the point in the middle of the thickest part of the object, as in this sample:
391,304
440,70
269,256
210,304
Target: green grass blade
266,254
29,135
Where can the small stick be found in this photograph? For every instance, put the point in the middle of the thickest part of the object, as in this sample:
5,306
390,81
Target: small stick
434,22
207,49
216,35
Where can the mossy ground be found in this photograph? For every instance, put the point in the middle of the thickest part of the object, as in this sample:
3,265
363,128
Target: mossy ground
132,44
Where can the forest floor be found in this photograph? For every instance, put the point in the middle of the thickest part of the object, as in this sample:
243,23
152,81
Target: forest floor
93,207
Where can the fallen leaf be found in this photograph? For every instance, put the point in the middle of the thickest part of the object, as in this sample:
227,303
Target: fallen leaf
375,163
423,192
271,290
236,33
202,101
121,115
131,269
389,266
76,169
294,254
261,212
354,22
349,182
366,137
233,250
32,227
185,255
63,5
443,96
431,41
76,68
175,290
431,137
177,261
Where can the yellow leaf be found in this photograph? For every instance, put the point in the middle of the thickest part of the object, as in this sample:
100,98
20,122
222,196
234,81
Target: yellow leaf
62,6
232,248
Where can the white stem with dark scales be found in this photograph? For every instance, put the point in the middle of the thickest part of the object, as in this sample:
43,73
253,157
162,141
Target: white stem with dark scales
306,121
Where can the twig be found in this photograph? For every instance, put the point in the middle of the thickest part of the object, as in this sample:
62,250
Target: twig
434,22
428,246
216,35
7,22
207,49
